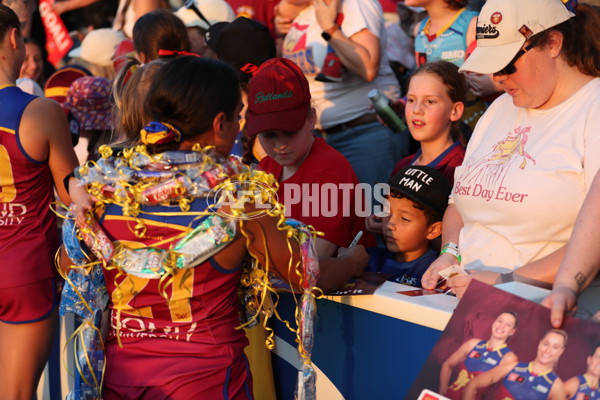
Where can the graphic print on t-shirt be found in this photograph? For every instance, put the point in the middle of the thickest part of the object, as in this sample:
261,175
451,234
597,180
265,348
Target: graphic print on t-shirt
297,51
484,177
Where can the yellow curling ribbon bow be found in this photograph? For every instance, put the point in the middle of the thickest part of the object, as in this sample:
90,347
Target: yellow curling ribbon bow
105,151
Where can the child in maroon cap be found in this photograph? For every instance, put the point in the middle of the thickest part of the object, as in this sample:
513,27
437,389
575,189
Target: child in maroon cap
316,182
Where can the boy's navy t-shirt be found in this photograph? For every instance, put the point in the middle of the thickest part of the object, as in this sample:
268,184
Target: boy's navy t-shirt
407,273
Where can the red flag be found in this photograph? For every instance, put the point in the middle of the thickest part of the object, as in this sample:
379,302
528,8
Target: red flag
58,41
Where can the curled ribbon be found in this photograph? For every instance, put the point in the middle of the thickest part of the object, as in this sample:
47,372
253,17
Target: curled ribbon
118,180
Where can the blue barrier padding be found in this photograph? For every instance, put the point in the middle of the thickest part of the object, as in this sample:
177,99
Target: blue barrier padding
366,355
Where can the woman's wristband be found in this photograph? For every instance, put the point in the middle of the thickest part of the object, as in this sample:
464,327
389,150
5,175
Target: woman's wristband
451,245
453,251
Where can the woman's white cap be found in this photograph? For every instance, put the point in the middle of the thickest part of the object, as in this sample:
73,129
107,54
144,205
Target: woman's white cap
213,10
503,26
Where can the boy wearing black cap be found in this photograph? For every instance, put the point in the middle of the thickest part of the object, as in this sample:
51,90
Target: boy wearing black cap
417,201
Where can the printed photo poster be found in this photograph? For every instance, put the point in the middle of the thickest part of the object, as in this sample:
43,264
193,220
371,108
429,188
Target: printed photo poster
486,313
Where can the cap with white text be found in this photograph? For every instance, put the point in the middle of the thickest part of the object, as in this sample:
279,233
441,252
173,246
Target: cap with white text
424,185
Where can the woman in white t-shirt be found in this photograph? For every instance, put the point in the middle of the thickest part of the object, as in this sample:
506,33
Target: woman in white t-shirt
534,154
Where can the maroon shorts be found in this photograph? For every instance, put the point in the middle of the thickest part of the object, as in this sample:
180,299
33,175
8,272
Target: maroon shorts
28,303
233,383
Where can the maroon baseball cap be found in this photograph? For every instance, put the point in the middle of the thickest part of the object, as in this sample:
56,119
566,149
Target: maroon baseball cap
278,98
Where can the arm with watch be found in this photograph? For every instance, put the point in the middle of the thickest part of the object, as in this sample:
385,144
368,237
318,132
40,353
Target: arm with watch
359,53
537,273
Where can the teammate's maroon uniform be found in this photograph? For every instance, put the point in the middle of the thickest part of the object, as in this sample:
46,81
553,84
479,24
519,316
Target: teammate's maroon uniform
28,232
183,348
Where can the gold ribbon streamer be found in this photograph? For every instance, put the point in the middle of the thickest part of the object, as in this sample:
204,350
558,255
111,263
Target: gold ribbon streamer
129,196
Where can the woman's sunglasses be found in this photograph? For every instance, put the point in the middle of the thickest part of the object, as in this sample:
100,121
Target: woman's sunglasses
511,68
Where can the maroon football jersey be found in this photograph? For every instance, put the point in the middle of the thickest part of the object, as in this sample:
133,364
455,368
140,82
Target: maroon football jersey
191,331
28,231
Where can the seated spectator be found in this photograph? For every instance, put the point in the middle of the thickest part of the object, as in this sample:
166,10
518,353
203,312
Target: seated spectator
530,152
434,106
417,201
